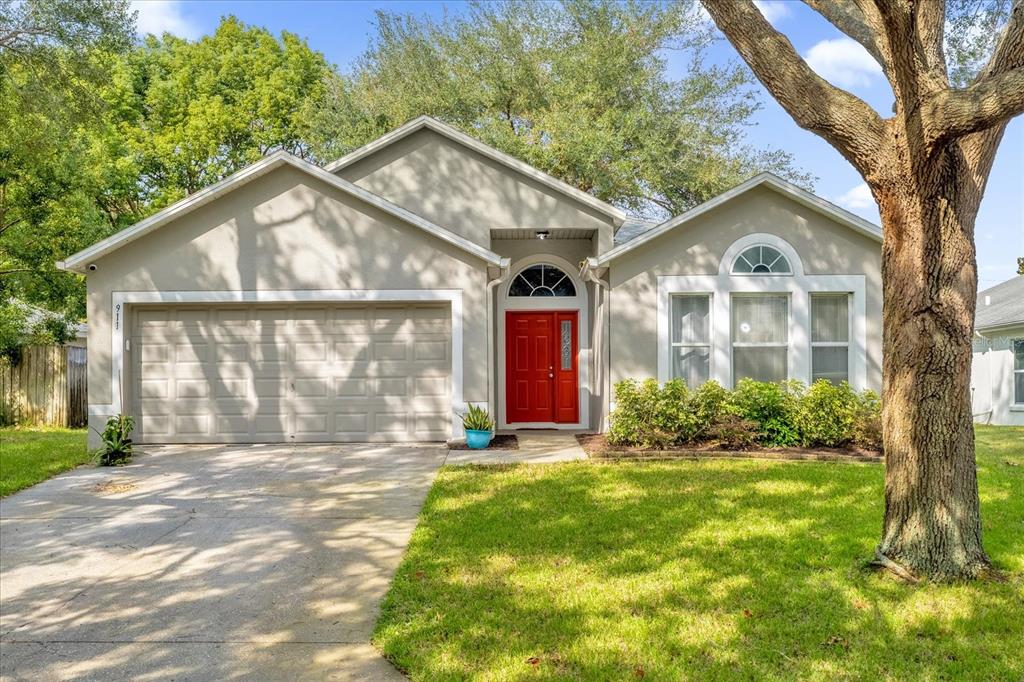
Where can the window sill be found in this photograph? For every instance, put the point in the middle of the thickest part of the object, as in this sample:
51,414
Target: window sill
1016,408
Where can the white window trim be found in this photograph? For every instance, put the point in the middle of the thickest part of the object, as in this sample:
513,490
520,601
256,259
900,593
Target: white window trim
835,344
732,265
121,299
711,329
578,303
798,285
1016,404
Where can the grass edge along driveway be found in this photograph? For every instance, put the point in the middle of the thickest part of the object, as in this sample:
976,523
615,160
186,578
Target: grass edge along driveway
30,455
689,570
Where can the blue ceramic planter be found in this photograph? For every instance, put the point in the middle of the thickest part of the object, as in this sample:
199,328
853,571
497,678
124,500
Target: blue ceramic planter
478,440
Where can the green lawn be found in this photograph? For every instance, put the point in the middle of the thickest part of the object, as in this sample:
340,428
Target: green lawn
31,455
695,570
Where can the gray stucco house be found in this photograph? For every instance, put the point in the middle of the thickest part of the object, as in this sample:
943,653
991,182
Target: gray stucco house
372,299
997,368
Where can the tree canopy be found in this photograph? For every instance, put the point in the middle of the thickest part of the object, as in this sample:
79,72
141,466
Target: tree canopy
123,127
580,89
167,118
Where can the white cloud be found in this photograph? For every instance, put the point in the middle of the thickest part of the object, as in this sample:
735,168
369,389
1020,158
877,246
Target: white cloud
164,16
772,10
857,198
844,62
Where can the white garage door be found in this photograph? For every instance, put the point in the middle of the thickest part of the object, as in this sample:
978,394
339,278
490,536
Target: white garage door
314,373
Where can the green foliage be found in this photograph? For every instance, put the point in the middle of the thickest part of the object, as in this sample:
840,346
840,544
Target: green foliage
650,415
972,30
1020,266
708,403
13,322
20,326
772,406
117,442
167,118
826,414
477,419
579,89
733,432
867,421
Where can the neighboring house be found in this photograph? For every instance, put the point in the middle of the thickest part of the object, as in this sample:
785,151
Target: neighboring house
35,315
372,299
997,370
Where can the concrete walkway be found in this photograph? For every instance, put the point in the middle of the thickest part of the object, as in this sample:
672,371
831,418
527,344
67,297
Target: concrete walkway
535,447
247,562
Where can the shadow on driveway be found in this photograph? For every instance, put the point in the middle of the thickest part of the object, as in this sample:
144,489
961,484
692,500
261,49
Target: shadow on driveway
223,562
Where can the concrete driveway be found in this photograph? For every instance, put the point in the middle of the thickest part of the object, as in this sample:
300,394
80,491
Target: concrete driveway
215,562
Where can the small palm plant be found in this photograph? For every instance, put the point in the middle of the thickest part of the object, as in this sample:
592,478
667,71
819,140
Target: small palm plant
477,419
117,441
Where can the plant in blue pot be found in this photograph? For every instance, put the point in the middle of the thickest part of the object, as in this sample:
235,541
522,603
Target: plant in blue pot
479,427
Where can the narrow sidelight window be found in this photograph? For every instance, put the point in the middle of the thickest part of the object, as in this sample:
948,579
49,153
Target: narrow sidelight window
691,338
830,337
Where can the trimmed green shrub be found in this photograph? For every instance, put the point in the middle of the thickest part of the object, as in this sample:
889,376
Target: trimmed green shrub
826,414
867,421
771,406
707,404
733,432
650,415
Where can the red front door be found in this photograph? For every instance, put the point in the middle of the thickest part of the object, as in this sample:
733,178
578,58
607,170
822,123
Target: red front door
541,375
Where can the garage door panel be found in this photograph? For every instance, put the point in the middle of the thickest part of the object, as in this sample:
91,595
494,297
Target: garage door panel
300,373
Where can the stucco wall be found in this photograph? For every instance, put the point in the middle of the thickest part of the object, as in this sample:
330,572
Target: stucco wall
467,192
696,248
286,231
992,378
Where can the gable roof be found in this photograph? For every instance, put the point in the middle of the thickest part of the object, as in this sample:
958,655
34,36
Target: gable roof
1005,305
79,261
428,123
768,180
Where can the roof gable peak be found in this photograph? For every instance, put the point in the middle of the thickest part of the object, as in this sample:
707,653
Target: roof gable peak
425,122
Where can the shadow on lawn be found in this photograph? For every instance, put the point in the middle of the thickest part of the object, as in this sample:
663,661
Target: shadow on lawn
709,569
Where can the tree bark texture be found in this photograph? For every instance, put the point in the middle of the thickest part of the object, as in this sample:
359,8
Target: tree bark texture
932,523
927,167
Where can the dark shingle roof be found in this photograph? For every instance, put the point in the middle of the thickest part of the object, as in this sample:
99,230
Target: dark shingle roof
632,228
1005,305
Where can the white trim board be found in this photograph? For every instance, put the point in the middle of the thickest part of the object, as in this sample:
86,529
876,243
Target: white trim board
799,288
773,182
479,147
79,262
576,303
120,299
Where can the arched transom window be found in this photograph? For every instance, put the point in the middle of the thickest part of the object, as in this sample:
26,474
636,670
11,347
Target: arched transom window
542,280
761,260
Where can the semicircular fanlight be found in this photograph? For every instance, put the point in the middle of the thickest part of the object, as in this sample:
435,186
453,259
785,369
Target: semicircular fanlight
542,280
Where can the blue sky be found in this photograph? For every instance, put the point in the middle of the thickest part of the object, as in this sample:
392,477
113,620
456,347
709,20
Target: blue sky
341,30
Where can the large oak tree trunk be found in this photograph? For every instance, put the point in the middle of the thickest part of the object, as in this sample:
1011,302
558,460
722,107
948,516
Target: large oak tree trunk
932,518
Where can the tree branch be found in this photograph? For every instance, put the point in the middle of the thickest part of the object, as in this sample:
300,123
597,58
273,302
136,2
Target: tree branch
843,120
850,19
1009,51
989,102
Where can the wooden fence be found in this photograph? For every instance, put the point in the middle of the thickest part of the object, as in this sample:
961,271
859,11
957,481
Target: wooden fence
46,388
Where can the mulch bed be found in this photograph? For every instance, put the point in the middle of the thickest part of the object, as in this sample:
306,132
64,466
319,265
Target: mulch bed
499,442
596,445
